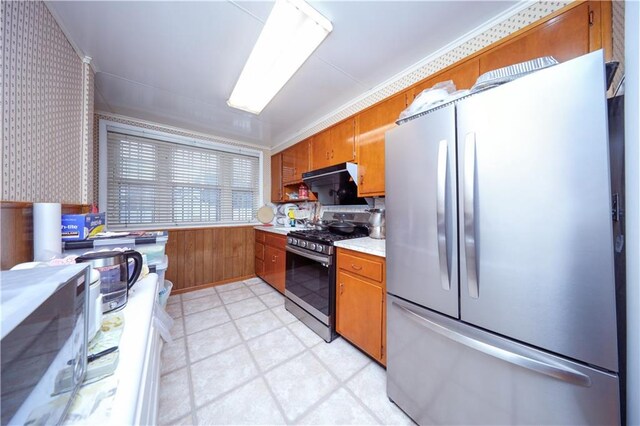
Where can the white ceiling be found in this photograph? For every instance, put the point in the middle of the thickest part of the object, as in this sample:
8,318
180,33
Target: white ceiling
176,63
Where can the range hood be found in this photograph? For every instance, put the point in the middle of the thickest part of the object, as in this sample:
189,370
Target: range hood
335,185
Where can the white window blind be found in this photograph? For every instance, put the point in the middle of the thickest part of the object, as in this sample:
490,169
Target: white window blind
153,182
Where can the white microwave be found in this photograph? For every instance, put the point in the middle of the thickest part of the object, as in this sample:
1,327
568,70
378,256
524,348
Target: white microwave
43,350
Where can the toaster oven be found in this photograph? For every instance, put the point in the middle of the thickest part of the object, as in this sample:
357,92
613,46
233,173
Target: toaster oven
44,342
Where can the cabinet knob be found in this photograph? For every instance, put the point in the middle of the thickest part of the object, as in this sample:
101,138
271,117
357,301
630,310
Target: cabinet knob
341,288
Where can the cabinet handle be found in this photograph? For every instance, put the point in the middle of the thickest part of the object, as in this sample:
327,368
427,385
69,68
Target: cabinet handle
341,288
356,267
273,259
361,180
331,153
327,155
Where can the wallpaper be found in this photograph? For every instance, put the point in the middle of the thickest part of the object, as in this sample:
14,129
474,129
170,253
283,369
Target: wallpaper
617,13
43,98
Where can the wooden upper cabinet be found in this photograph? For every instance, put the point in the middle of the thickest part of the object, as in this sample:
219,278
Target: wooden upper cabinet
464,76
295,162
343,142
320,147
276,178
334,145
564,37
372,125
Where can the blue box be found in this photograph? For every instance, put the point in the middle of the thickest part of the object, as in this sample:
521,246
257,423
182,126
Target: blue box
81,226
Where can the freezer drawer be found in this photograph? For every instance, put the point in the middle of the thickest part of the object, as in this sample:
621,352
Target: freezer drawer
442,371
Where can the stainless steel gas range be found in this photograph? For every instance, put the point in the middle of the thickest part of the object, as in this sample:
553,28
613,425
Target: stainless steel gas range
310,283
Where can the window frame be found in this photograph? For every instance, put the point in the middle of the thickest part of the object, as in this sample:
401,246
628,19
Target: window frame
105,126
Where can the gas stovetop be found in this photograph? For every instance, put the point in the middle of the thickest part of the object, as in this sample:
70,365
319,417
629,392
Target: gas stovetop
321,241
327,237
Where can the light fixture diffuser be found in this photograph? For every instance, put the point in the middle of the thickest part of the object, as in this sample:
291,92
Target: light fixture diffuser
292,32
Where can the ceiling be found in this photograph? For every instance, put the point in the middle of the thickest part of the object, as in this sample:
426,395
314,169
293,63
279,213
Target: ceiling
176,63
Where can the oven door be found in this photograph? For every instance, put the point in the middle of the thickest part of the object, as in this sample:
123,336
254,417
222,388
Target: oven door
310,283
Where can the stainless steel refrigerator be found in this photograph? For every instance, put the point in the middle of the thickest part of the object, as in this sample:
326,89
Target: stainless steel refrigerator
500,271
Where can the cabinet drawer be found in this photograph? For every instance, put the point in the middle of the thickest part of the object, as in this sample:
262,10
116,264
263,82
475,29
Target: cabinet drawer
259,251
260,236
368,268
275,240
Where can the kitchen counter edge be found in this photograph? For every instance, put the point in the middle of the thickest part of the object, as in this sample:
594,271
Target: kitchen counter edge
274,229
364,245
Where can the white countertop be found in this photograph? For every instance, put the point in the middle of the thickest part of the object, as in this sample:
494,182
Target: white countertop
133,345
364,245
282,230
138,317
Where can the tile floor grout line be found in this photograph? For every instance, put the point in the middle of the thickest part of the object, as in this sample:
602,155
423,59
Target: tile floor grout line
283,326
260,373
257,366
341,384
192,400
357,398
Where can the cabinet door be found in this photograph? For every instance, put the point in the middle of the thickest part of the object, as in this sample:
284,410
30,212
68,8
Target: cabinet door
276,178
342,147
563,37
260,268
275,267
259,250
359,313
372,125
295,162
320,150
463,75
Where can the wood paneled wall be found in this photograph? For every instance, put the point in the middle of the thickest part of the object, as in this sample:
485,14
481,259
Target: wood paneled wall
16,231
201,257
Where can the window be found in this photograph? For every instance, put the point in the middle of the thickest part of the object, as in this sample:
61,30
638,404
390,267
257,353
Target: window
157,182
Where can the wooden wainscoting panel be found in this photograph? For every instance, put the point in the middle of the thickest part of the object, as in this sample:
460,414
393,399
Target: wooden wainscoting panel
203,257
199,257
16,231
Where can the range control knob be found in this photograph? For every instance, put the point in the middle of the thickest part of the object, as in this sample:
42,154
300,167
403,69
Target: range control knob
289,240
319,248
294,241
312,246
303,244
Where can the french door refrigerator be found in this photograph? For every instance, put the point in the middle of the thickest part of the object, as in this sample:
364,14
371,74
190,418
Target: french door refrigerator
500,274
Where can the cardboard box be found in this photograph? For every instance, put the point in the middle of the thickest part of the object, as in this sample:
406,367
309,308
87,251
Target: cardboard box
81,226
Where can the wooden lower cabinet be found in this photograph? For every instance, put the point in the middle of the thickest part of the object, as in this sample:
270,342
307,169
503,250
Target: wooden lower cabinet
360,302
275,267
270,258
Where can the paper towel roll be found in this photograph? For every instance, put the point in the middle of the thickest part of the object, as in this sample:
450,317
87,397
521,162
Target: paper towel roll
47,231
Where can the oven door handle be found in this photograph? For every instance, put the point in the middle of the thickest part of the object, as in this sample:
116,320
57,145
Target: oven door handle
316,257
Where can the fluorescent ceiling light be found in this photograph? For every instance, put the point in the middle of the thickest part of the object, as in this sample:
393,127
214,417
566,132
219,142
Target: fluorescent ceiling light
292,32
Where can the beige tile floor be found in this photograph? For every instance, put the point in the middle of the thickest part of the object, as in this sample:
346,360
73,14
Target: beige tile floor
238,357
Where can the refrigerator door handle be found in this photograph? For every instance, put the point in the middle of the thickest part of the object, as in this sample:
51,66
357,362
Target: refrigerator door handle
469,214
443,156
542,365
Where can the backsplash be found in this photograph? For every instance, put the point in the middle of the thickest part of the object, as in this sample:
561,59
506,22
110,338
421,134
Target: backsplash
48,96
